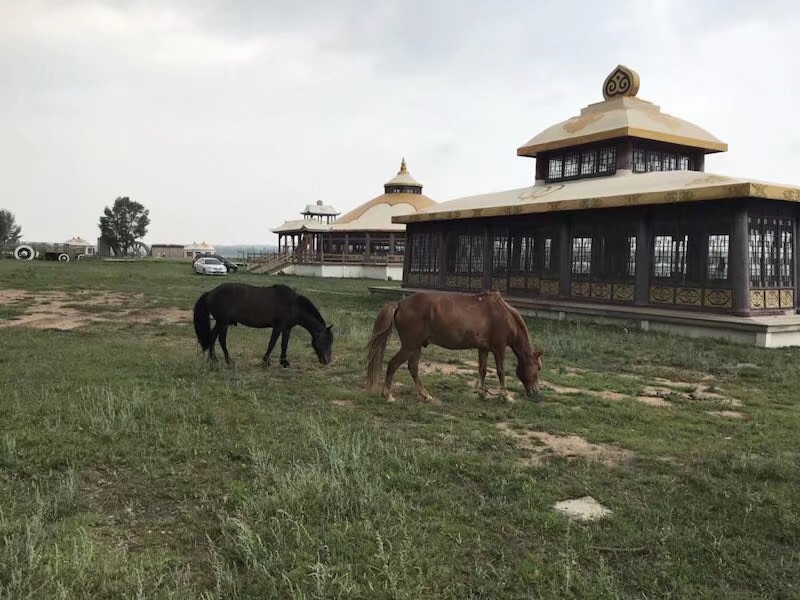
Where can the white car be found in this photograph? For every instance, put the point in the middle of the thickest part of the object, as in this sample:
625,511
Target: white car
209,266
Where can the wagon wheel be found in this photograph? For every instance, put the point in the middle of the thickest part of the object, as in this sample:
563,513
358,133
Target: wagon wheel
81,256
24,252
140,249
63,257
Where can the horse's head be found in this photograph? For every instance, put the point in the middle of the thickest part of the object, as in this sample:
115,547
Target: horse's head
528,372
322,341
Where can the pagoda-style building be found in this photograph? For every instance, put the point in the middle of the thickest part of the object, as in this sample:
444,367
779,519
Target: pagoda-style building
363,242
623,222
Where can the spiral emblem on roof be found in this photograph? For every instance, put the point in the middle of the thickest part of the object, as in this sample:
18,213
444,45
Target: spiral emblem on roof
621,82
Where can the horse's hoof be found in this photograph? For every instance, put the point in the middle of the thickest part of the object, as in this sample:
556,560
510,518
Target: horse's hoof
390,399
285,364
266,362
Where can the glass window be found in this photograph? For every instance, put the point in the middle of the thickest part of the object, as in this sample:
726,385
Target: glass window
589,162
571,164
582,256
717,265
555,168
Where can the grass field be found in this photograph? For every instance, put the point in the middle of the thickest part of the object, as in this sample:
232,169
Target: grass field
129,467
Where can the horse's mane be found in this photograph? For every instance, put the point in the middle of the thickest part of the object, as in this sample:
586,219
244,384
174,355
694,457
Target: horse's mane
522,329
309,306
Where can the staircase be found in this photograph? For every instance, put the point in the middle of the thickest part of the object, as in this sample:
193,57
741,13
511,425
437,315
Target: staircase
271,264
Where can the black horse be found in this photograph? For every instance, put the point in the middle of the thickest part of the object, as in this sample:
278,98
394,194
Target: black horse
277,306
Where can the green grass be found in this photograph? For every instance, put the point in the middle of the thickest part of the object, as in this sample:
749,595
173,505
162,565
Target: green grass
129,467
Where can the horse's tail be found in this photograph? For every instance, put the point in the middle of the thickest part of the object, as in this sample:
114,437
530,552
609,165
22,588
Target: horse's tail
202,322
381,331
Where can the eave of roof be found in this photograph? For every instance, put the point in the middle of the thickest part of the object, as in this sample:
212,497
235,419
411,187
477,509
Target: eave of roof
612,192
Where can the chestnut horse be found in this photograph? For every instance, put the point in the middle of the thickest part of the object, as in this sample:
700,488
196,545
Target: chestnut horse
457,322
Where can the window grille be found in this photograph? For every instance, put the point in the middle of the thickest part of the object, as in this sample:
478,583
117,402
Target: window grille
717,260
576,164
770,247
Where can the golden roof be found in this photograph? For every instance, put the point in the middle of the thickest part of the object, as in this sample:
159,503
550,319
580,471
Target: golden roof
664,187
403,177
621,114
300,225
378,214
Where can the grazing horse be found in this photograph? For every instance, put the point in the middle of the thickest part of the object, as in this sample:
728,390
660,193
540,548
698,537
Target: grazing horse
457,322
277,306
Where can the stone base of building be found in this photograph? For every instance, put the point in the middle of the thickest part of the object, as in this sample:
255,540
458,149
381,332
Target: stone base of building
390,272
774,331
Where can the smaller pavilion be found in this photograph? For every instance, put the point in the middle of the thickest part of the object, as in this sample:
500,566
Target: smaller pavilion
363,242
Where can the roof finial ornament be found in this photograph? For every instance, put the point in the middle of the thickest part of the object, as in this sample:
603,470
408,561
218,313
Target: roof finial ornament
403,168
623,81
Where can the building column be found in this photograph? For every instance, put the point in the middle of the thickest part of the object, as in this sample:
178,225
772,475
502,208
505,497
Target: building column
367,249
564,258
346,249
641,290
740,261
391,244
488,247
442,257
795,261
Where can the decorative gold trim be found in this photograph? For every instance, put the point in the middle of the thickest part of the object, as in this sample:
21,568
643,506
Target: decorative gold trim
787,298
549,287
718,298
623,292
772,299
534,149
601,291
756,299
475,283
580,289
689,296
660,294
713,192
451,281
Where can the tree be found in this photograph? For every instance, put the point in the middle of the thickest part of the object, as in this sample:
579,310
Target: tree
10,232
123,224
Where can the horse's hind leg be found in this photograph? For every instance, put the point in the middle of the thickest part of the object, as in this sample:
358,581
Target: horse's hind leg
413,367
398,359
483,363
214,335
223,341
272,341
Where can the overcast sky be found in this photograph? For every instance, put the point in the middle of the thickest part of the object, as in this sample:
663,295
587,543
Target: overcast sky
225,118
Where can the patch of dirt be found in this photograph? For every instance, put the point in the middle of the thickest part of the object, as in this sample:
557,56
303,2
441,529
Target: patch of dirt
427,367
541,443
343,403
653,401
602,394
729,414
582,509
9,296
62,311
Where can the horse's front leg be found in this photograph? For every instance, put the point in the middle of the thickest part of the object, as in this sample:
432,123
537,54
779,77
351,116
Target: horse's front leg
272,341
284,345
499,362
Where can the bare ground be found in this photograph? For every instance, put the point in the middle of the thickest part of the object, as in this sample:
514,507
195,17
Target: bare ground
62,311
542,443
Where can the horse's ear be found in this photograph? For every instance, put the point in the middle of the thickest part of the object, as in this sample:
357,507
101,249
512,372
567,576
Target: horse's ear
330,327
538,354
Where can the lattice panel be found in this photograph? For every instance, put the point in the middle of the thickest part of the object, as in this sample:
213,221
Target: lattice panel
623,293
757,301
580,289
689,296
601,291
662,294
718,298
549,287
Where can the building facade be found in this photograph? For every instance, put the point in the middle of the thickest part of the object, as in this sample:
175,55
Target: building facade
622,212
